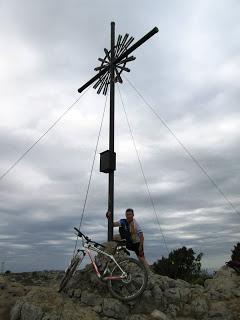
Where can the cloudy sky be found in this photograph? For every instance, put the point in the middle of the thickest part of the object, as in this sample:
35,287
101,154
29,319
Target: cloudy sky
189,73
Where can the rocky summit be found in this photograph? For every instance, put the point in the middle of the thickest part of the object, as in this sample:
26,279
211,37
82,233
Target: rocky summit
34,296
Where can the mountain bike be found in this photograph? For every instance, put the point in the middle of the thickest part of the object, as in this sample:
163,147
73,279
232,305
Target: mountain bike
126,277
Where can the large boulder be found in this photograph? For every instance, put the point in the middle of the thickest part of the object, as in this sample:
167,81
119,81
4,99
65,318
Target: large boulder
10,291
224,285
47,304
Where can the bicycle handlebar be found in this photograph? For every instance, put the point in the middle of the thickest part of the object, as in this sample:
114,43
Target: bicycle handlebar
80,234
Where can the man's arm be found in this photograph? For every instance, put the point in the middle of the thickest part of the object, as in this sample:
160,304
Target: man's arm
141,237
116,223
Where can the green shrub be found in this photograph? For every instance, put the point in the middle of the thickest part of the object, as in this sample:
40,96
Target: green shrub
180,264
236,252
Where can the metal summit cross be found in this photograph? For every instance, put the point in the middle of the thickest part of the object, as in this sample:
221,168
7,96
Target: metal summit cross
109,72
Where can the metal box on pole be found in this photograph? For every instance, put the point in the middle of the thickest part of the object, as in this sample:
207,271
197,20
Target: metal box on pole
107,161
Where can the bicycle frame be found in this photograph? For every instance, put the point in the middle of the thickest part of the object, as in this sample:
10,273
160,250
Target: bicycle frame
87,250
111,271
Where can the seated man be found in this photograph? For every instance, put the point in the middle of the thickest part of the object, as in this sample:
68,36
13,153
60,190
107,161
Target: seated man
130,230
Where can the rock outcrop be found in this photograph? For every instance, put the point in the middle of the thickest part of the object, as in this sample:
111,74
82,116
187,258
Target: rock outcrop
164,299
9,293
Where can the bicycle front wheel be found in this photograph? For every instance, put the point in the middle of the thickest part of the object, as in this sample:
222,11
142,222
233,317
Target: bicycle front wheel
76,260
133,284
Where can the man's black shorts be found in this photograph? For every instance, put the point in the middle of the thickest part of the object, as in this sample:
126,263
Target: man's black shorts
135,247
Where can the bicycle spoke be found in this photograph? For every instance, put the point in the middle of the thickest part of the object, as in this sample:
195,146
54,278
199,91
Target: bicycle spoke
125,291
131,286
137,284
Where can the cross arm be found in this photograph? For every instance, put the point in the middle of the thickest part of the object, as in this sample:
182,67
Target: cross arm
137,44
122,56
98,75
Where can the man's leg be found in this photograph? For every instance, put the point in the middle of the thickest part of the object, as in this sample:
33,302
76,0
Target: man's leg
141,257
144,262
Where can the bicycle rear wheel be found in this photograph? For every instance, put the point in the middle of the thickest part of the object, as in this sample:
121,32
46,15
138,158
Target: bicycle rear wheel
133,285
76,260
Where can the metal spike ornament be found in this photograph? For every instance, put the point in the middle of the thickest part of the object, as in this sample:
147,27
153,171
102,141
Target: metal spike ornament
104,81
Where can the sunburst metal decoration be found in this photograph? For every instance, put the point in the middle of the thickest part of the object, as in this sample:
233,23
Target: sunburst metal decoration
104,81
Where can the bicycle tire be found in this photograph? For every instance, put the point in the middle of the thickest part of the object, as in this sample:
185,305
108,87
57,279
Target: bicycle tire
70,271
119,288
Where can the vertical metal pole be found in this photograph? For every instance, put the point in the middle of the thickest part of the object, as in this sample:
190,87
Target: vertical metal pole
111,135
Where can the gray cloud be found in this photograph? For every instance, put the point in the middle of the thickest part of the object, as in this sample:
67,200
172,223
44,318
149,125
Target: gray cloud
189,72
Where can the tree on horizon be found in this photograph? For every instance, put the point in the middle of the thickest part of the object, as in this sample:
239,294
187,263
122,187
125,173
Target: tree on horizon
180,264
236,252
